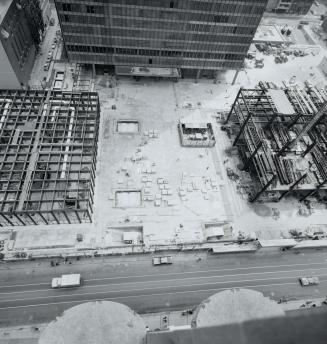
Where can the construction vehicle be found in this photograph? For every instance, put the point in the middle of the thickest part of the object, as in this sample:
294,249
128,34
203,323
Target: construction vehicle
66,281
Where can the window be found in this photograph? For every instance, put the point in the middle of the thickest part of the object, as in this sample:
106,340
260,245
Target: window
150,61
90,9
171,5
67,7
220,19
66,18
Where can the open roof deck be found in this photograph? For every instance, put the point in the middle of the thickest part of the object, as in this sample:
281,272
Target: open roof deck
48,149
283,138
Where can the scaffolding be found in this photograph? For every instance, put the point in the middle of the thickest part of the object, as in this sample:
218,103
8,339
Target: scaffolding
282,139
48,150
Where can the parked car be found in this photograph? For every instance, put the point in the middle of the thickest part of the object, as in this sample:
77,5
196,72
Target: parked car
46,67
162,260
307,281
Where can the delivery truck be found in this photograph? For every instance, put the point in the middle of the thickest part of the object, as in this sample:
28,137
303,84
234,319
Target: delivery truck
66,281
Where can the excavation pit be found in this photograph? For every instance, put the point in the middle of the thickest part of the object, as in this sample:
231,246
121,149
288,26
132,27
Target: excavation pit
127,127
128,198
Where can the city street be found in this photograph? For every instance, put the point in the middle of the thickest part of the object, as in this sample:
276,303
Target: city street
136,283
38,73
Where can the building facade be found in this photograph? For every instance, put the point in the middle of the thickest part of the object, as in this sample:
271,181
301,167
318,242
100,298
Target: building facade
46,10
290,6
17,48
195,36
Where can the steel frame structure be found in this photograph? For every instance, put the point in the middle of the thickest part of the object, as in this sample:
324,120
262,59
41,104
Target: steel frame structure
48,150
266,139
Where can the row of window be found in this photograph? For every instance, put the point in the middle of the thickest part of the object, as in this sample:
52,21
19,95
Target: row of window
158,44
222,19
150,52
138,22
165,35
182,26
254,7
20,39
155,61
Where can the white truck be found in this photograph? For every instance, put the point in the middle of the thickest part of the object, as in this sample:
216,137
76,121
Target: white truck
66,281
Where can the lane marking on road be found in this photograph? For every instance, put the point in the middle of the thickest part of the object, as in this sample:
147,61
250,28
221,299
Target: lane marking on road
175,273
147,295
176,279
152,288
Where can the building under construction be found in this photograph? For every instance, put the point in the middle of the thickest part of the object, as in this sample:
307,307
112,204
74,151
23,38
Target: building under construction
282,139
48,149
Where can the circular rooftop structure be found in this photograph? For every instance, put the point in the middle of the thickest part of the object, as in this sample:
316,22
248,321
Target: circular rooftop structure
235,306
102,322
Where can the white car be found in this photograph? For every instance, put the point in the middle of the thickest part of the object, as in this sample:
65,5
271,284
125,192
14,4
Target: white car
162,260
306,281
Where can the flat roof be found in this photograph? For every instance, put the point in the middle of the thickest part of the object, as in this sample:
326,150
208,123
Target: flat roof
268,33
4,5
281,102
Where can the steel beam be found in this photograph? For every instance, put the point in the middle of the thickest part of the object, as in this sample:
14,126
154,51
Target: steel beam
312,192
31,218
242,128
263,189
55,217
43,218
291,188
7,220
78,217
66,216
308,150
248,161
233,106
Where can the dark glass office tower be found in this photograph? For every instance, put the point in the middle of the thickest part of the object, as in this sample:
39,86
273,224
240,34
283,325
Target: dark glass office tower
195,36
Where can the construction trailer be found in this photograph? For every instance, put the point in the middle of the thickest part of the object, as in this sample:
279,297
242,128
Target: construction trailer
282,138
48,150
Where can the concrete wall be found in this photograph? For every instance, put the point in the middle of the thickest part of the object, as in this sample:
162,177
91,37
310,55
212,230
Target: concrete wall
8,78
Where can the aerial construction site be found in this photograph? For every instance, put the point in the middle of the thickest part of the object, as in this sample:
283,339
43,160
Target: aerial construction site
281,137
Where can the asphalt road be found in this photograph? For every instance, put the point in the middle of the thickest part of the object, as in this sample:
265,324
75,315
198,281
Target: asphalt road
28,297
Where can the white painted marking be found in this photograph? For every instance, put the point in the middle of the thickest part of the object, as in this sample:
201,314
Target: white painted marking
174,273
153,288
183,279
147,295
